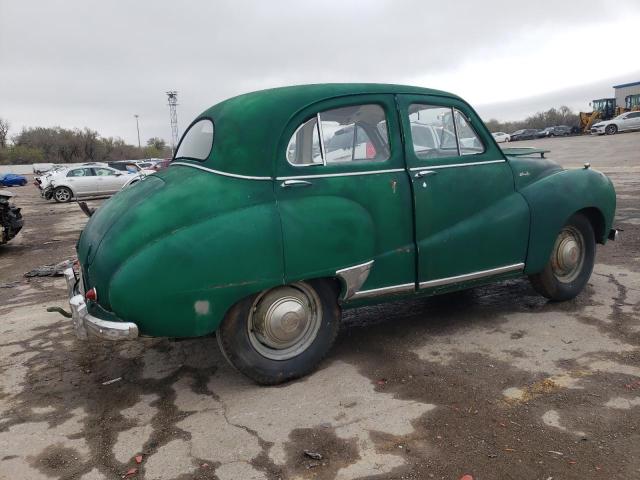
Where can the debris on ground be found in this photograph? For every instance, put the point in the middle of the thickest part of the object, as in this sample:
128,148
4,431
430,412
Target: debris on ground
109,382
313,455
130,472
10,284
88,211
59,310
53,270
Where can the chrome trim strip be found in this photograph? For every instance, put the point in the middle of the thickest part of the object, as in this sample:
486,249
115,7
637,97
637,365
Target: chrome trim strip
224,174
321,135
472,276
346,174
376,292
454,165
354,277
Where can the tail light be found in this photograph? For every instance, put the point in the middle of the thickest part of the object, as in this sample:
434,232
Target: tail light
92,295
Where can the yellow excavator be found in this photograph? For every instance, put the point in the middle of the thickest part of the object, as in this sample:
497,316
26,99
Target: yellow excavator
632,103
603,109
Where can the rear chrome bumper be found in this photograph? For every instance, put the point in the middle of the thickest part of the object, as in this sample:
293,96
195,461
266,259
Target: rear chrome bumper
613,234
87,325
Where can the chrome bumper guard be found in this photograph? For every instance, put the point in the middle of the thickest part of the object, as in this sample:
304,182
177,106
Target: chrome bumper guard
613,234
87,325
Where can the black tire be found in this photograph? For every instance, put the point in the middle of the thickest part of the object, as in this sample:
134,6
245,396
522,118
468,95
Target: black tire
238,343
23,183
611,129
62,195
558,281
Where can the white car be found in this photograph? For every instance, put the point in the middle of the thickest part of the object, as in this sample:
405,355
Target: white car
623,122
86,181
501,137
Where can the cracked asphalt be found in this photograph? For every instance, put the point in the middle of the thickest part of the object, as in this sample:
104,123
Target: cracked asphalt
494,382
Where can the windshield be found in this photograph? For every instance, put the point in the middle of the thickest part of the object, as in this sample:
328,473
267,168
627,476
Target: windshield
197,143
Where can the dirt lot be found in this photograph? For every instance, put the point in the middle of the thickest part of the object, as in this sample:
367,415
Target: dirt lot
493,382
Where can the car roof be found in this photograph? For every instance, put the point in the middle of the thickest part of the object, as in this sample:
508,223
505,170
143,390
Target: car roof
241,148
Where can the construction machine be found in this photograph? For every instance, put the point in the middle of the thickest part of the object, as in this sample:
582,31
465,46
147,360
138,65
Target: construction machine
632,103
603,109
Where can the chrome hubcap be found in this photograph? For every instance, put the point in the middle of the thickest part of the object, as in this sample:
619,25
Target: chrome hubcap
568,255
62,195
284,321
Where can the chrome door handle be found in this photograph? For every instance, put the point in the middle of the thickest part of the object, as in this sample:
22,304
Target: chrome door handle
425,173
295,183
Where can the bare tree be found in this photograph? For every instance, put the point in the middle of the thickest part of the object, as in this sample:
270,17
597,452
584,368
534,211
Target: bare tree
4,131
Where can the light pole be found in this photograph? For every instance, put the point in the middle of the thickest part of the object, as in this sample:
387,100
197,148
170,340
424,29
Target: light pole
138,128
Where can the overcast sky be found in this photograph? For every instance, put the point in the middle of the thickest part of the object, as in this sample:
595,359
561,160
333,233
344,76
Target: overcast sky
97,63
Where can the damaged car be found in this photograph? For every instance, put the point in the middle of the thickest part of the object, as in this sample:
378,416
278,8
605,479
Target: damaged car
284,207
11,221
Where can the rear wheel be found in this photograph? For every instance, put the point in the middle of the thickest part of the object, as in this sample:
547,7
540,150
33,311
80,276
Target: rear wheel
282,333
611,129
571,263
62,195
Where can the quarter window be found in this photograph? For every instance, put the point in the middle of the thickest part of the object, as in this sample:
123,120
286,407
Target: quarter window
197,143
104,172
347,134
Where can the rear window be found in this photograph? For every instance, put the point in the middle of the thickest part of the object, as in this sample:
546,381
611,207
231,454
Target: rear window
197,143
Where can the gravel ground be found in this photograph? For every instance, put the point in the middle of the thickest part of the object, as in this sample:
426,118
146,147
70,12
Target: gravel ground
494,382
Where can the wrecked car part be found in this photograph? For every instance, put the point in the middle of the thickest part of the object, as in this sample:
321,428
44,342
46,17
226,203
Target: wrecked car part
11,221
52,270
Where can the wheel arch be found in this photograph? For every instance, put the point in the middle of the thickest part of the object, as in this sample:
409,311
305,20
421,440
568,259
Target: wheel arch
554,199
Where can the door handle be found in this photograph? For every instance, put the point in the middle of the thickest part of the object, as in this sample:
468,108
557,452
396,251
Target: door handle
425,173
295,183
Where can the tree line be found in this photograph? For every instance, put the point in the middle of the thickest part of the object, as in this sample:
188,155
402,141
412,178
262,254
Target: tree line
61,145
551,118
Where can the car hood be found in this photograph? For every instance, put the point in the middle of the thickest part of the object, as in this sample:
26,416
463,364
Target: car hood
155,207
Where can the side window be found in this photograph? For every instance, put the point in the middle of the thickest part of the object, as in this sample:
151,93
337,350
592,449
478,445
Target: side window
432,131
348,134
470,143
80,172
103,172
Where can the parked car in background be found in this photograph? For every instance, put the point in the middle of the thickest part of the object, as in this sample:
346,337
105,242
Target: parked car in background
12,180
297,234
161,164
85,181
558,131
525,134
622,123
501,137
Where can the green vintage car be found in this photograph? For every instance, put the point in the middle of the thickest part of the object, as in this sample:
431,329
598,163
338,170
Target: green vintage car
283,207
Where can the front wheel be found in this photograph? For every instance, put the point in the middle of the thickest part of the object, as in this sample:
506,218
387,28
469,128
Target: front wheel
571,263
611,129
62,194
282,333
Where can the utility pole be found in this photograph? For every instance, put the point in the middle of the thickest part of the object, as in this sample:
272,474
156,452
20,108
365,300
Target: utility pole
172,96
138,128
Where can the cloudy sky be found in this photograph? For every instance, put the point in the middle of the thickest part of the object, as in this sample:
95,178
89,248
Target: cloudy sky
97,63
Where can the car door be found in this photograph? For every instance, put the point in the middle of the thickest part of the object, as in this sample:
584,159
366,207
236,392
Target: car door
469,220
82,181
632,121
350,207
109,180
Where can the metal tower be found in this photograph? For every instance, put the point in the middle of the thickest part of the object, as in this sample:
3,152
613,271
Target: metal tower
173,117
